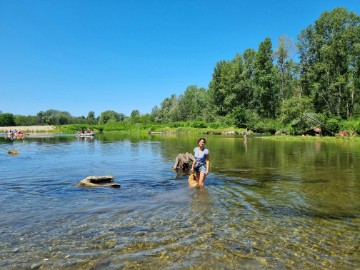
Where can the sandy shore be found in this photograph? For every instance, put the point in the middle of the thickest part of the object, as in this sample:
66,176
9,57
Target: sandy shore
29,129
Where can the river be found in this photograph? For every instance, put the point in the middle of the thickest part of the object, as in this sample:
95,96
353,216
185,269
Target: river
266,204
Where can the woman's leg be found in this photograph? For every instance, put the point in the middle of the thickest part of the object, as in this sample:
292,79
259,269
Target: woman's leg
202,179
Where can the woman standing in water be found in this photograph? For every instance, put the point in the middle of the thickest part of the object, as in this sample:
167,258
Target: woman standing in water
201,165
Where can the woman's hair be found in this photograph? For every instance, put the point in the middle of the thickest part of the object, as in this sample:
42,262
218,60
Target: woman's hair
202,139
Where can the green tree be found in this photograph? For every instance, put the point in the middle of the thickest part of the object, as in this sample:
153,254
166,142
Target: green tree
156,114
294,108
306,48
135,113
231,85
22,120
219,85
168,111
7,119
90,119
327,53
54,117
249,59
355,79
135,116
193,104
266,93
60,118
111,117
286,67
146,118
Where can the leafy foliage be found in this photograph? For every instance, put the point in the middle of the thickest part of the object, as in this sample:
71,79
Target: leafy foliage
7,119
330,62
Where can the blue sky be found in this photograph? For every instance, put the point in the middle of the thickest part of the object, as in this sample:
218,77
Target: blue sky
83,55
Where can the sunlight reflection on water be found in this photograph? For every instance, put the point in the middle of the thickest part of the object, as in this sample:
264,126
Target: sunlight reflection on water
260,216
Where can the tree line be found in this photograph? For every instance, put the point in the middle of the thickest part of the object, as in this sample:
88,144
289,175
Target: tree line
296,86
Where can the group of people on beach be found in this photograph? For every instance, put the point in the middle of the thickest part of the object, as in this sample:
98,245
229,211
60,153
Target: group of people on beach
14,134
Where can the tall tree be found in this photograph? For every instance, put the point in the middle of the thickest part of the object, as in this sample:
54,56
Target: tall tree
266,94
355,75
235,95
90,119
228,89
249,59
219,86
193,104
306,48
285,66
327,52
169,110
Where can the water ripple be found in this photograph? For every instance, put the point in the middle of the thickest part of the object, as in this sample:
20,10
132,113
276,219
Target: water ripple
258,218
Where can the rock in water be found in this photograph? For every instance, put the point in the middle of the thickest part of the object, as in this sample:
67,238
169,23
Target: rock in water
183,163
99,181
13,152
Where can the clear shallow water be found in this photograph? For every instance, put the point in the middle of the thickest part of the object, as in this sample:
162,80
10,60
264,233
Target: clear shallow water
266,205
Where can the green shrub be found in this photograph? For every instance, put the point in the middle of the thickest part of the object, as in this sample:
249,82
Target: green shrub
268,126
288,130
333,125
198,124
178,124
215,125
352,126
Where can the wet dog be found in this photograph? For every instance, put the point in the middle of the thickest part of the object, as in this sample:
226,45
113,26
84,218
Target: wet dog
193,182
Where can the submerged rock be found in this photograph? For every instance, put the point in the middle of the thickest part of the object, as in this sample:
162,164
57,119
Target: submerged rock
13,152
99,181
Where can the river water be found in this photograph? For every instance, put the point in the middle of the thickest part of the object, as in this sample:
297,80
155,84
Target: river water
266,204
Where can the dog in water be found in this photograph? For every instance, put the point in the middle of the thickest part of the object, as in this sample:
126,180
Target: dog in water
193,182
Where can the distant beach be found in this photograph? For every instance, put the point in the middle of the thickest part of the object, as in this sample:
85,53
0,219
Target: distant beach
28,129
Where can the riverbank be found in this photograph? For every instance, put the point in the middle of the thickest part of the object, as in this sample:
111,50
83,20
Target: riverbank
71,129
312,138
29,129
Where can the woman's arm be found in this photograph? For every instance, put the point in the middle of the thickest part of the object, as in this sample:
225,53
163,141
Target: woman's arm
192,166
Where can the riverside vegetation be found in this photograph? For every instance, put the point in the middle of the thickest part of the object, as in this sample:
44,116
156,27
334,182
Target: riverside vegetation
296,87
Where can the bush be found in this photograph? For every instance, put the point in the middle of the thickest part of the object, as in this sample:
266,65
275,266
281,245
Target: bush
333,125
198,124
215,125
352,126
239,117
357,127
178,124
288,130
268,126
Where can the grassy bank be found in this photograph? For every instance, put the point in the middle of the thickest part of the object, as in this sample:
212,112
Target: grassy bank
147,128
312,138
144,129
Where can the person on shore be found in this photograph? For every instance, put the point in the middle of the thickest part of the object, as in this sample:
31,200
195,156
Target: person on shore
201,165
